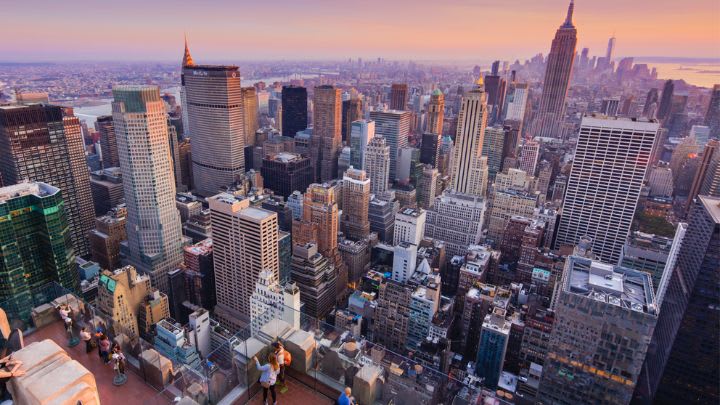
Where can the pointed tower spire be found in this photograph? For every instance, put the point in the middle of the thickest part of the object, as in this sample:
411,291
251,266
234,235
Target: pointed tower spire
187,58
568,19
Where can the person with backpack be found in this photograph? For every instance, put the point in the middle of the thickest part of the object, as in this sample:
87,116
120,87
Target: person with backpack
284,358
268,376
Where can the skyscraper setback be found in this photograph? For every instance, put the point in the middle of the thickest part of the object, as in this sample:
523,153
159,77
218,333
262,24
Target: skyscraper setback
44,143
154,237
550,115
213,101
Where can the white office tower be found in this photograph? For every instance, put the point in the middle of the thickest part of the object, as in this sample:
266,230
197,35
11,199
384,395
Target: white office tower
245,242
213,100
404,261
154,236
273,301
409,226
199,331
377,165
394,126
456,219
469,168
607,176
361,133
516,102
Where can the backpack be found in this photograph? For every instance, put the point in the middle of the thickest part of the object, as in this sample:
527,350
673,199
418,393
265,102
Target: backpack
287,357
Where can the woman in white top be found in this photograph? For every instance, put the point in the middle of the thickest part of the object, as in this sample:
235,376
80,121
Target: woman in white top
268,376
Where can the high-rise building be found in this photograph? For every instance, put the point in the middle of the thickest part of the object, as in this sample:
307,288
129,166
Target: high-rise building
294,110
494,337
154,237
505,204
108,143
124,296
665,106
44,143
393,308
398,96
316,278
707,176
286,172
660,181
610,49
326,137
651,104
529,153
610,106
435,113
516,102
430,148
361,133
250,114
648,253
427,187
381,215
551,113
409,226
356,202
492,149
377,165
607,175
351,112
712,116
469,168
457,220
37,249
394,126
682,361
213,100
245,242
107,189
495,88
271,300
598,307
106,238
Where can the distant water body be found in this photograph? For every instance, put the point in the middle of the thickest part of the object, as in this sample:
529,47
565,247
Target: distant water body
698,74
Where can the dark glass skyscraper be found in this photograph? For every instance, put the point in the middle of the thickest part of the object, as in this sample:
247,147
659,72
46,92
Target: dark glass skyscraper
36,243
548,122
712,116
682,362
666,101
398,96
44,143
351,111
294,110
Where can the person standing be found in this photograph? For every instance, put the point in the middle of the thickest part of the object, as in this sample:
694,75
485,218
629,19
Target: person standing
86,337
282,358
104,348
268,376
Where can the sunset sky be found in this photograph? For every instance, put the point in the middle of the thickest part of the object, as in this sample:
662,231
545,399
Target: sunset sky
51,30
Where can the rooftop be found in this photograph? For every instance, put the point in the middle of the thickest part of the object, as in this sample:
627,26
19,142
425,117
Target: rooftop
26,188
712,204
611,284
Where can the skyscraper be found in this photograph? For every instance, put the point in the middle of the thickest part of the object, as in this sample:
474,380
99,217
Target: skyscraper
651,104
250,113
607,176
430,148
600,310
361,133
529,153
666,101
610,49
707,176
469,168
356,202
398,96
516,101
712,116
286,172
108,143
214,104
44,143
435,113
550,116
457,220
493,144
245,242
394,126
154,237
294,110
377,165
326,137
351,111
37,248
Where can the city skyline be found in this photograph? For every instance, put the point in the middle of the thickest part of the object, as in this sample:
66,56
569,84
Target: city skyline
230,31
